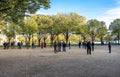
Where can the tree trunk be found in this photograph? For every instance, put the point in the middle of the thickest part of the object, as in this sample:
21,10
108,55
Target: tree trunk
118,39
84,38
38,41
29,38
51,38
57,38
44,39
101,39
8,44
25,39
93,36
32,38
67,39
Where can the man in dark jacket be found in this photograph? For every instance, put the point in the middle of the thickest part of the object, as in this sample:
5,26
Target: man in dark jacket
64,46
109,47
55,47
92,46
88,45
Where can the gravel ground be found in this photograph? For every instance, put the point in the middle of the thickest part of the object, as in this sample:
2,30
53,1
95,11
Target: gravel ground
73,63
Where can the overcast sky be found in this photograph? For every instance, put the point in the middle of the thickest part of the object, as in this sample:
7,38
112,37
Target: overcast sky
103,10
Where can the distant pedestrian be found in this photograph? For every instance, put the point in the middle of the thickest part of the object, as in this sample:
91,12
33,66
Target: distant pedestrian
88,45
19,45
93,46
42,44
69,45
55,47
5,45
59,46
64,46
82,44
27,45
79,44
109,47
33,45
85,44
12,44
8,44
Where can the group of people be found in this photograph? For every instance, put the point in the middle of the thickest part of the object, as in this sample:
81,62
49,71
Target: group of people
8,44
58,45
87,45
90,46
19,44
43,45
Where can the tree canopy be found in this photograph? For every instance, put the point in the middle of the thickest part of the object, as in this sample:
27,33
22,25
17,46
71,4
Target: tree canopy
101,31
18,9
115,28
93,25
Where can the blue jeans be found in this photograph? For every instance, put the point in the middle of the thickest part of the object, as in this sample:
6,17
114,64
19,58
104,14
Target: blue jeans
64,49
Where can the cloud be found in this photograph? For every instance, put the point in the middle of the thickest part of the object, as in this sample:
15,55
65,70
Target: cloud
118,2
114,11
110,15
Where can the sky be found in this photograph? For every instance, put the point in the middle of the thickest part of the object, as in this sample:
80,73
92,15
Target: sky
102,10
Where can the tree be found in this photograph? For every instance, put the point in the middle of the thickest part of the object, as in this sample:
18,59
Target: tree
54,29
93,25
80,27
82,31
44,23
101,31
18,9
10,30
29,28
115,28
64,23
2,24
69,23
79,24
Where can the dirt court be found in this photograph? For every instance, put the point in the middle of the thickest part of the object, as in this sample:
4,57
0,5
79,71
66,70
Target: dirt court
73,63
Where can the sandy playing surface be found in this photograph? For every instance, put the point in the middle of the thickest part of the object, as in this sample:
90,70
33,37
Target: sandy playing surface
73,63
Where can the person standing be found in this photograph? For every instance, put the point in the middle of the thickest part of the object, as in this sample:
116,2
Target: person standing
59,46
64,46
5,45
93,46
27,45
55,47
69,45
42,45
33,45
109,47
19,45
88,45
79,44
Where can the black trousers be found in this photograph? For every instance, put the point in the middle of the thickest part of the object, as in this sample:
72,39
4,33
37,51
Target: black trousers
88,50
